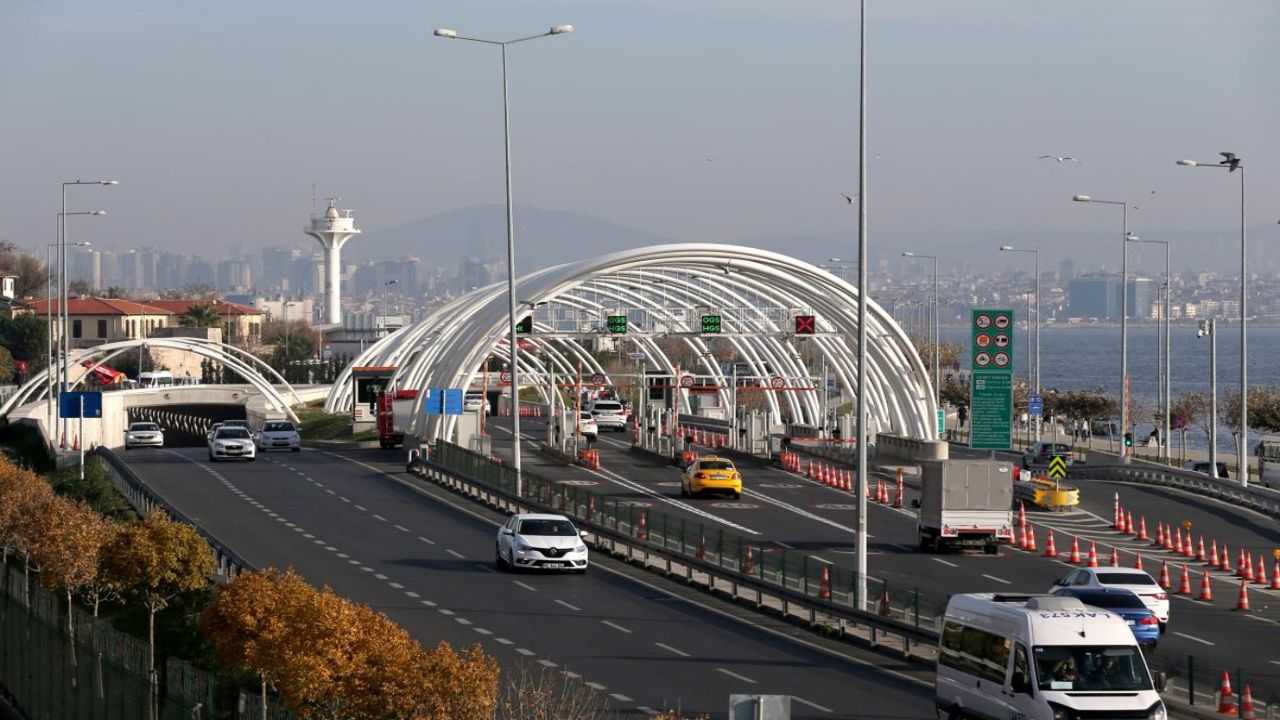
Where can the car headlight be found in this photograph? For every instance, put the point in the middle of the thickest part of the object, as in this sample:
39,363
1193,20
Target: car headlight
1059,712
1158,712
582,547
521,545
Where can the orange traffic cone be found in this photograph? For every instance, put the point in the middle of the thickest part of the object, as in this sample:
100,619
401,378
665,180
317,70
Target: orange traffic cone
1115,556
1187,550
1164,575
1213,554
748,563
1022,514
1246,704
1248,567
1137,560
1031,538
1242,600
1275,576
1184,585
1177,542
76,444
1240,564
1075,551
886,606
1168,538
1225,563
1206,591
1142,528
642,532
1159,541
1050,551
1226,698
897,498
824,591
1128,523
1262,572
1200,556
1093,554
701,554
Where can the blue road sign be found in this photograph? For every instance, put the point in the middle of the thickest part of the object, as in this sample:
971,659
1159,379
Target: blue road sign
1035,404
452,401
442,401
70,403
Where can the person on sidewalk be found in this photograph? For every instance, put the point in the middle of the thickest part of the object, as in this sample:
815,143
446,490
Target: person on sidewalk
962,415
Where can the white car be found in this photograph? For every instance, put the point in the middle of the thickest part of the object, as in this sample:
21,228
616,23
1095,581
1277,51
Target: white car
236,423
232,442
212,431
143,434
609,414
540,542
278,435
1139,581
475,401
587,426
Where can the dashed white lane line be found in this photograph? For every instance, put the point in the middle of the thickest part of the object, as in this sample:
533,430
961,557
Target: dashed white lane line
428,603
999,580
456,554
462,621
308,536
445,611
482,631
344,499
361,508
574,608
401,528
616,626
674,651
1193,638
365,568
330,491
380,576
530,588
1262,619
379,517
570,674
621,698
736,676
594,685
525,651
344,556
945,562
504,641
811,704
412,594
427,540
396,585
546,663
1275,662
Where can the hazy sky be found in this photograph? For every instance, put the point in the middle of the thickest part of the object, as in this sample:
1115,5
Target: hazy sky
713,120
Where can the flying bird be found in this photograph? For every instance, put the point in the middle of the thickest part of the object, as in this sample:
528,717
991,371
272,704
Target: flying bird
848,198
1230,160
1059,158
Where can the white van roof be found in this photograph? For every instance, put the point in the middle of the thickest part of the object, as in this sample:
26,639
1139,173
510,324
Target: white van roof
1040,619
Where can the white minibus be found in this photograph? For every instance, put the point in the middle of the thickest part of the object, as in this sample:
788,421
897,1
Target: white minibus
161,378
1041,657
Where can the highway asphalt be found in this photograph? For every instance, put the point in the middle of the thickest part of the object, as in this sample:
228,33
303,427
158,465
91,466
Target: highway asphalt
787,510
354,522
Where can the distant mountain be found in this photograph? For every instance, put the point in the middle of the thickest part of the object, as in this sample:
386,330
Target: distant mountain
543,237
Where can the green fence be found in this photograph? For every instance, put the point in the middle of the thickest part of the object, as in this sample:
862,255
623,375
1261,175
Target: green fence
793,569
103,675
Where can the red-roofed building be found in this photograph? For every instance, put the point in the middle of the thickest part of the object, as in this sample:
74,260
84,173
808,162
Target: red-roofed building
95,321
242,323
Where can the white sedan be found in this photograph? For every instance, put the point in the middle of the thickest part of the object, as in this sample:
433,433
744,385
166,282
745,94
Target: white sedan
278,435
540,542
1139,581
232,442
143,434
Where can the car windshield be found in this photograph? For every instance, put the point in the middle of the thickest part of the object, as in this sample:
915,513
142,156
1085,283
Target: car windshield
607,407
1091,667
1115,578
585,416
715,465
1122,600
545,528
232,433
277,427
144,427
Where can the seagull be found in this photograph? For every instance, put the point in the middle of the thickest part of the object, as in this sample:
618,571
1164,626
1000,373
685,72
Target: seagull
848,198
1059,158
1230,160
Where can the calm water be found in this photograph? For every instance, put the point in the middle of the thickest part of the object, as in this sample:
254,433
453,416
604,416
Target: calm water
1089,358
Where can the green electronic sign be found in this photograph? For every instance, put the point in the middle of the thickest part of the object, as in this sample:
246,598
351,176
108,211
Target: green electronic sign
710,323
617,324
526,325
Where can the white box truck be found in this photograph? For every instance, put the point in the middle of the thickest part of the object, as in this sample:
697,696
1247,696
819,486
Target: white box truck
1041,657
965,504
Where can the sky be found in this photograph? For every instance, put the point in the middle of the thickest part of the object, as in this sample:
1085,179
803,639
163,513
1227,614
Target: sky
702,120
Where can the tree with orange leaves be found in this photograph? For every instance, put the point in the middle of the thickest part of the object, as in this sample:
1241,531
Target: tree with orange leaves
68,542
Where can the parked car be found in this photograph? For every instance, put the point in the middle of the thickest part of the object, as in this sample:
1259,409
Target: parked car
143,434
1202,466
232,442
1125,603
540,542
1137,581
1039,454
278,435
711,474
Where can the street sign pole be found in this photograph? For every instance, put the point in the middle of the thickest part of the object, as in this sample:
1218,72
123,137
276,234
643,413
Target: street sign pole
81,436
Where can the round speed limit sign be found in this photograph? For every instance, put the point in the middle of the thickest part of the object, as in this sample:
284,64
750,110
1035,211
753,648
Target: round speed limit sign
686,381
597,379
505,376
777,381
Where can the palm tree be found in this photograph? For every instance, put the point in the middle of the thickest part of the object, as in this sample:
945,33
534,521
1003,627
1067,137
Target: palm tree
202,315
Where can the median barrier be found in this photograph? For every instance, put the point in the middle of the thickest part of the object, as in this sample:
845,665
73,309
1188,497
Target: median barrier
1260,499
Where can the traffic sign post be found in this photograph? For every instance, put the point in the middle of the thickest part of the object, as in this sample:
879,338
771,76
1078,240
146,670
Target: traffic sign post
80,405
597,378
991,387
1035,404
1057,467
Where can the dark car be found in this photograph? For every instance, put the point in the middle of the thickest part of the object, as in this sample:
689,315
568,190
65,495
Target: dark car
1202,466
1040,453
1125,603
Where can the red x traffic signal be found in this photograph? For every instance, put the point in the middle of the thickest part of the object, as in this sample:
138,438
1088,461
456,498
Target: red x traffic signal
805,324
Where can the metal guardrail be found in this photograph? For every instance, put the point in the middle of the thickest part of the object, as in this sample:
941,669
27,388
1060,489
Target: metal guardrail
716,560
1260,499
143,499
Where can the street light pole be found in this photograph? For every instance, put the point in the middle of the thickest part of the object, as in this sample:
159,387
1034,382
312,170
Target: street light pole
1036,382
937,351
51,368
1208,328
1166,387
1124,320
1231,163
511,233
860,572
384,303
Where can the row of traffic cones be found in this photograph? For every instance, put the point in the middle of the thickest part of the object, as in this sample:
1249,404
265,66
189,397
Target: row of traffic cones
1227,700
708,438
830,475
790,461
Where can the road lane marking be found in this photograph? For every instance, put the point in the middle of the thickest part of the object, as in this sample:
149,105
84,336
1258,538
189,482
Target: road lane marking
482,631
396,585
547,663
530,588
1275,662
525,651
999,580
428,603
380,576
674,651
462,621
616,626
308,536
402,528
811,704
503,641
621,698
379,517
330,491
444,611
1194,638
366,569
455,553
735,675
945,562
570,674
331,548
575,608
343,499
412,594
361,508
425,540
594,686
344,556
798,511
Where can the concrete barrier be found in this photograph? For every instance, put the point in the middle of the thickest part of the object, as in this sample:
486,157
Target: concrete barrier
909,450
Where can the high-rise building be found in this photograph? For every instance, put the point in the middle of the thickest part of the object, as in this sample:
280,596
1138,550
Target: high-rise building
1098,296
85,264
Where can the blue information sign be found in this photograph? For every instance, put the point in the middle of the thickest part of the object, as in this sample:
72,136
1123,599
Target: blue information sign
70,404
1035,404
442,401
452,401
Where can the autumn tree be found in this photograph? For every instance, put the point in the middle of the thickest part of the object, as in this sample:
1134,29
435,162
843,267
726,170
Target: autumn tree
26,337
69,538
530,693
1187,410
6,365
23,497
79,288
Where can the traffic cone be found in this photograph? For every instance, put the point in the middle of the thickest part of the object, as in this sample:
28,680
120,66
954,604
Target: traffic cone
1246,704
1117,520
1200,556
1225,563
1115,556
1187,550
76,444
897,498
748,563
642,532
1275,575
1164,575
1093,554
1123,527
809,472
884,493
1168,538
1248,567
1240,564
848,480
1184,585
824,591
1213,554
1075,550
1142,529
1031,538
1242,600
1137,560
1022,514
1262,572
591,508
1226,698
1020,537
1050,551
1177,542
1128,524
1206,591
1159,542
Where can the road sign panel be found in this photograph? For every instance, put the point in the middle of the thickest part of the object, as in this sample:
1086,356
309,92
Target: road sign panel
505,376
452,401
777,381
686,381
1002,359
991,411
806,324
711,323
1035,408
597,378
69,404
617,324
942,421
991,328
525,325
1057,467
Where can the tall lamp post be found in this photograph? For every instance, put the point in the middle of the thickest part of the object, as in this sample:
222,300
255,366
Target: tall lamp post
1166,387
1208,328
511,231
860,587
64,341
1231,163
1124,319
51,368
1036,380
937,374
385,285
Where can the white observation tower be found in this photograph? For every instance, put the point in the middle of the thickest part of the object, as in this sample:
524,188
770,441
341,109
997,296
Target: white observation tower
333,229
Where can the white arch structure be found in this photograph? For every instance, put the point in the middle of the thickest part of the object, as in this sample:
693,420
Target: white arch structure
661,289
248,366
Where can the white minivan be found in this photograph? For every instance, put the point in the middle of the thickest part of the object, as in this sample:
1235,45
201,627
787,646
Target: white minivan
1041,657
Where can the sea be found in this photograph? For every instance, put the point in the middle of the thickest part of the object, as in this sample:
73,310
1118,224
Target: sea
1088,358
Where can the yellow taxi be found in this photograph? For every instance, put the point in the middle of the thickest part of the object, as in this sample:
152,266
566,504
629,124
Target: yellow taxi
711,474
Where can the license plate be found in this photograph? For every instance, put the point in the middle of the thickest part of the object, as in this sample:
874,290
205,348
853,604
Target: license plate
234,451
719,477
1133,623
553,565
280,444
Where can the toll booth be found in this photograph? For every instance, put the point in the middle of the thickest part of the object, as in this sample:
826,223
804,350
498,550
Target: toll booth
366,384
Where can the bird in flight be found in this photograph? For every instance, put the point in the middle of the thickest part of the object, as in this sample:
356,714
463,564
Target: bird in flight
849,198
1059,158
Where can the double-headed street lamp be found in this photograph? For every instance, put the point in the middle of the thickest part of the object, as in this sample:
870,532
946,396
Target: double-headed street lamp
937,374
1036,379
1166,387
1124,319
1231,163
511,230
52,367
